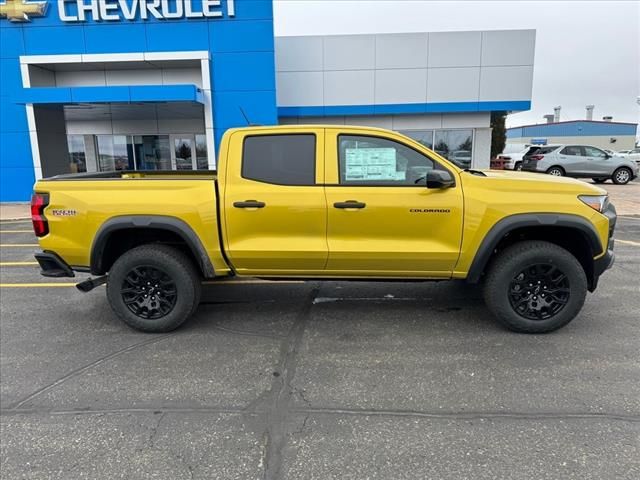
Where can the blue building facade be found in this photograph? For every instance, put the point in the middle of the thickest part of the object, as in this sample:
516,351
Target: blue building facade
236,36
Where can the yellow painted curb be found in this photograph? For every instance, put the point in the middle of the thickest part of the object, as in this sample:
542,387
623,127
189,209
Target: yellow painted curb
17,264
36,285
628,242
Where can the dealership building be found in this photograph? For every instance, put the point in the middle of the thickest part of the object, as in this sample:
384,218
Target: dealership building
99,85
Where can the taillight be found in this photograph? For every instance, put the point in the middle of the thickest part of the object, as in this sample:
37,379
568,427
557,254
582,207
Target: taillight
39,202
536,157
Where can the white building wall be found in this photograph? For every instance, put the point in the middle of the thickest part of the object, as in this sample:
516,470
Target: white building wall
405,68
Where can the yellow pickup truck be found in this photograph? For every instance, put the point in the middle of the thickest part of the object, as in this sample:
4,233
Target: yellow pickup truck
326,203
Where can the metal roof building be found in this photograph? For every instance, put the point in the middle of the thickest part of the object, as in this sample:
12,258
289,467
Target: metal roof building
611,135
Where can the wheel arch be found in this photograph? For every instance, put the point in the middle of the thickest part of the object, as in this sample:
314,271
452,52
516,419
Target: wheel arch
571,232
144,229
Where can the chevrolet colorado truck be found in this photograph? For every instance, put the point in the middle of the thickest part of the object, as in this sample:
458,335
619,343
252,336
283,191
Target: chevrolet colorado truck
326,203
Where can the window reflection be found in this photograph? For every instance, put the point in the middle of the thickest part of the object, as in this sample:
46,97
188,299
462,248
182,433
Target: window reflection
455,145
77,154
114,153
425,137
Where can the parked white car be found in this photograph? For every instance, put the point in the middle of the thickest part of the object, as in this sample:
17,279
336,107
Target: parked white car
512,155
634,155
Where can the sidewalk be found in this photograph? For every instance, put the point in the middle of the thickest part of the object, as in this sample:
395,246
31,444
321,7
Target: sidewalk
14,211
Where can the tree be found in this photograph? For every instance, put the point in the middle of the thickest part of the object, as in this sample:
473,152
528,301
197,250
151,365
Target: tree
498,133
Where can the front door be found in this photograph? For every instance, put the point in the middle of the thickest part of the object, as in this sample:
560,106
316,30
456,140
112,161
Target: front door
598,162
275,211
382,219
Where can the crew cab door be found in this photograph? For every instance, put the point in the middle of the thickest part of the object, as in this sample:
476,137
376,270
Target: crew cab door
597,161
382,219
275,212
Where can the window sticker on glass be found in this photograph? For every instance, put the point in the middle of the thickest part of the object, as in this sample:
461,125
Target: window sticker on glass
368,164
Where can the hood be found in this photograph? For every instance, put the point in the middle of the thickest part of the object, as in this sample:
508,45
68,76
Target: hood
540,182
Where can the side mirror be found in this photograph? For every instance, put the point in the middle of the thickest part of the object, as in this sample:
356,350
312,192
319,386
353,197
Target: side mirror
440,179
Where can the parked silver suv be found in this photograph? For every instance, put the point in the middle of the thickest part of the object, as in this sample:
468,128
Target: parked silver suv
580,161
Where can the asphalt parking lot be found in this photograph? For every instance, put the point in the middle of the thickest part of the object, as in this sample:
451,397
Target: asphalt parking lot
302,380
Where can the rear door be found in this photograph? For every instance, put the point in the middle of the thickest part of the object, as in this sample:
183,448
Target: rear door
382,219
275,210
572,159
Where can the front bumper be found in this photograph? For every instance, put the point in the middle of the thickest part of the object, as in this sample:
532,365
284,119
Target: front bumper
52,265
606,261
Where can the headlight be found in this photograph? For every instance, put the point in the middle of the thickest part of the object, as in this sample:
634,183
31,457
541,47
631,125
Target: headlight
597,202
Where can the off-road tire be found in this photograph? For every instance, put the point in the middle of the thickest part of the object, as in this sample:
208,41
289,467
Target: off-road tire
507,265
621,176
177,266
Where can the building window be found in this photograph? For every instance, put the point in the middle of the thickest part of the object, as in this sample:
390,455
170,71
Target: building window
280,159
202,159
425,137
77,154
151,152
115,152
378,161
455,145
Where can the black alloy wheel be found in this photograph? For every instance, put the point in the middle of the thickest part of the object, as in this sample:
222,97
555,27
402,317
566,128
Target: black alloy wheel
148,292
539,292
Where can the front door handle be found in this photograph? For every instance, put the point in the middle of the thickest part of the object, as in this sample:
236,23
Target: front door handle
249,204
350,204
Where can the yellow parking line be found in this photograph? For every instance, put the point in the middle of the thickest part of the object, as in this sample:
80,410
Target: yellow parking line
628,242
17,264
36,285
10,245
16,231
257,281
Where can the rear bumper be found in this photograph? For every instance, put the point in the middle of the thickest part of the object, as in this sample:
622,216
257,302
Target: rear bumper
52,265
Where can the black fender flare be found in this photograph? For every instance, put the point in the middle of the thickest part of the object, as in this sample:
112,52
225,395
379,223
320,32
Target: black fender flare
159,222
513,222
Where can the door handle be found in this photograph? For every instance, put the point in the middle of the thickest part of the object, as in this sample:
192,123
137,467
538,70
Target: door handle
249,204
350,204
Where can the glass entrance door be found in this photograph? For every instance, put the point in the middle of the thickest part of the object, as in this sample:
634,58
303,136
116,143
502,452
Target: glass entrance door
183,154
189,152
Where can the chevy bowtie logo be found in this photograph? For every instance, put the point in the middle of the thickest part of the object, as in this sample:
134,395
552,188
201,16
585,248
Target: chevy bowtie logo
22,10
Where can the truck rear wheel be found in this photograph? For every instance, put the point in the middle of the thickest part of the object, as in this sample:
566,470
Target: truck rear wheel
154,288
535,287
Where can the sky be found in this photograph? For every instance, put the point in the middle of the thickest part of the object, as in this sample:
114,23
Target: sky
587,52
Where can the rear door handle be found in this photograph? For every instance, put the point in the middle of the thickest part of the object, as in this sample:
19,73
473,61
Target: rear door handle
349,204
249,204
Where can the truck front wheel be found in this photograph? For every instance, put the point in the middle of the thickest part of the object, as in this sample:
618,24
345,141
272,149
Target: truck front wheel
535,287
153,288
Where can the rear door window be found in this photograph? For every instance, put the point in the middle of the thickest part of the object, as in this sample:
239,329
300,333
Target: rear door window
573,150
280,159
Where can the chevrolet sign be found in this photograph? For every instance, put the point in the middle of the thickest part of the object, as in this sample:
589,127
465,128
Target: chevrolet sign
114,10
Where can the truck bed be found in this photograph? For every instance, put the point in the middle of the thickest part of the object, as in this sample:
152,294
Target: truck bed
137,174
